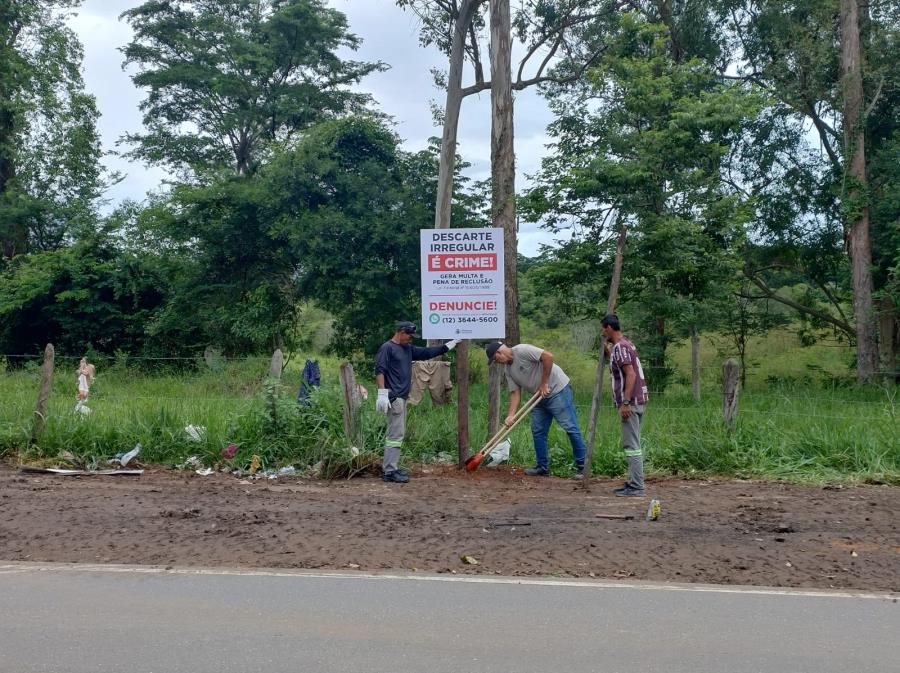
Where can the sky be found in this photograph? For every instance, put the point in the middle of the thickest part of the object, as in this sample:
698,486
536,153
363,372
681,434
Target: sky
405,92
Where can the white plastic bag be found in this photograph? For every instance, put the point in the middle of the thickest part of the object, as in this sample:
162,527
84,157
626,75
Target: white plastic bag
195,432
499,454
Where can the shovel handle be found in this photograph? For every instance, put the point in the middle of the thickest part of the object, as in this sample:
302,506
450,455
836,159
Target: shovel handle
520,414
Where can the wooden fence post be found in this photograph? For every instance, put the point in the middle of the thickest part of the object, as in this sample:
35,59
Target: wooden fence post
351,402
601,359
40,411
730,377
276,365
695,363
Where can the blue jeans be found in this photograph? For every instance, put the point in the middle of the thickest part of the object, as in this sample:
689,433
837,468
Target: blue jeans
560,406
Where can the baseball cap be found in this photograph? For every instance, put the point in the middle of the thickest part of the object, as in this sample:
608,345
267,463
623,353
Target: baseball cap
491,349
408,327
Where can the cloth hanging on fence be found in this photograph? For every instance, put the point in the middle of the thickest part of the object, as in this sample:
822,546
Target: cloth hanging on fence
432,375
309,379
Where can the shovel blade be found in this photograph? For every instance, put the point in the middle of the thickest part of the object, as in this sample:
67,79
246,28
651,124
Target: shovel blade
473,462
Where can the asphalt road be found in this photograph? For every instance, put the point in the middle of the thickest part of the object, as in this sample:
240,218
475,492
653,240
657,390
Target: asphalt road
74,619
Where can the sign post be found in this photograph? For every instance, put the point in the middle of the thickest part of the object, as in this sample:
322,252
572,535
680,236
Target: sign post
462,284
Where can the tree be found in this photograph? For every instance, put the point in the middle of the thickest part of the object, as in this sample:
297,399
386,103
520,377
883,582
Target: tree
227,79
353,204
333,220
94,293
545,28
644,146
830,64
50,175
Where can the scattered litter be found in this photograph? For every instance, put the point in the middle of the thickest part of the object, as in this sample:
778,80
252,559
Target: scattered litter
622,517
470,560
125,457
82,409
195,432
444,458
66,473
205,472
191,463
653,510
499,454
353,566
854,554
354,451
289,470
254,464
228,452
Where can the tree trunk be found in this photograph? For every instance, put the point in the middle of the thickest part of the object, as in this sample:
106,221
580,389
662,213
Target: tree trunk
15,238
856,199
503,160
503,184
443,206
888,338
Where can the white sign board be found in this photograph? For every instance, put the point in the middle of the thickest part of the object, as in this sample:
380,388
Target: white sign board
462,284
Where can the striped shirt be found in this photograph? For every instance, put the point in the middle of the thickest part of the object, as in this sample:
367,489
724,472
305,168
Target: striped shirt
624,353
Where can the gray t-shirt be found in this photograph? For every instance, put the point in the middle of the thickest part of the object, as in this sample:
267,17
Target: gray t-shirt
525,371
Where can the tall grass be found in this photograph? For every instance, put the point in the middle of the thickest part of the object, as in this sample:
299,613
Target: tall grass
804,425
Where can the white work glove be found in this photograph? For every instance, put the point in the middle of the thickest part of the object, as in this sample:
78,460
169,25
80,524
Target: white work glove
452,344
383,403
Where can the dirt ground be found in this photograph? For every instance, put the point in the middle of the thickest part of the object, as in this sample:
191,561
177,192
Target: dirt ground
720,532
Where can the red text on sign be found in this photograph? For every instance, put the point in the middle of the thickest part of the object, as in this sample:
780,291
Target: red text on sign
458,262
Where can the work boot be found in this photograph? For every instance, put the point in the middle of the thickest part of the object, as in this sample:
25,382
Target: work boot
536,471
395,476
579,473
629,492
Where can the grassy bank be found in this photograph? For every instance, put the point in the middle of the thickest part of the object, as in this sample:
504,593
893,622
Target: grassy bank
808,424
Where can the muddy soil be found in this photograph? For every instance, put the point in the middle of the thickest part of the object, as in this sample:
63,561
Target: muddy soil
720,532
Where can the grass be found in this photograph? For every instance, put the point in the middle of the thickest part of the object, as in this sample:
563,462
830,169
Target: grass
801,418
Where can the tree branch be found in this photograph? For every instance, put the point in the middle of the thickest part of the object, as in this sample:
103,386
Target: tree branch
843,325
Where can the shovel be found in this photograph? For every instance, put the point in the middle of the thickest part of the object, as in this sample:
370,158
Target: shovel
474,461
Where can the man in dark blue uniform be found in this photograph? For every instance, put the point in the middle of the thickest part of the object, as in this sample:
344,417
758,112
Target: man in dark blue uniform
393,375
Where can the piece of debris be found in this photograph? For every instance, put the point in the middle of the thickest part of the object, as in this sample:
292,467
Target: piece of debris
469,560
195,432
190,463
255,462
653,510
205,472
28,469
125,457
228,452
623,517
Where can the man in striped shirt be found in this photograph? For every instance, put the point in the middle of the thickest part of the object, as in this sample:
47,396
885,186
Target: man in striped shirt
630,396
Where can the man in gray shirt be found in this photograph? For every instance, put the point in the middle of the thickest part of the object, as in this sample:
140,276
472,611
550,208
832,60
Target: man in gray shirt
531,368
